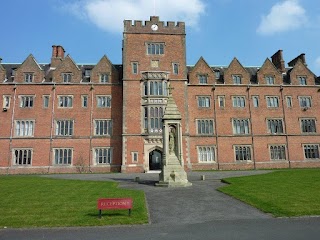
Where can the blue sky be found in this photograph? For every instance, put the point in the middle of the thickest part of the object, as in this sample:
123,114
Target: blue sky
218,30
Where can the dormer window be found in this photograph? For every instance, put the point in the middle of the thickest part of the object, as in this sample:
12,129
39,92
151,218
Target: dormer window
87,73
217,74
13,72
28,77
66,77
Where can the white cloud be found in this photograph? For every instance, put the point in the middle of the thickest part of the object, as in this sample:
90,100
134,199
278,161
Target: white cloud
109,14
284,16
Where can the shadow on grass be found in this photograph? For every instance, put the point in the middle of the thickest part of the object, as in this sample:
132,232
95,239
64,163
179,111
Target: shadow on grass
144,182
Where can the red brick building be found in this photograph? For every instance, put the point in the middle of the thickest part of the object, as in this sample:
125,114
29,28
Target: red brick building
68,117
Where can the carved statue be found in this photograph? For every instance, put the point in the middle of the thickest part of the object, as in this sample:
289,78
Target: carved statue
171,141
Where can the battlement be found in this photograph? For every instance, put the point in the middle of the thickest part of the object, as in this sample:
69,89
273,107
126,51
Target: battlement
139,26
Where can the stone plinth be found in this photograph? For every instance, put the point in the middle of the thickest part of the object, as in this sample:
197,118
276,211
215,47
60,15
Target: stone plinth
173,174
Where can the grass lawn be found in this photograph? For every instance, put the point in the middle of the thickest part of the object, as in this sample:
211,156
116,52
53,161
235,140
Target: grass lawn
282,193
31,201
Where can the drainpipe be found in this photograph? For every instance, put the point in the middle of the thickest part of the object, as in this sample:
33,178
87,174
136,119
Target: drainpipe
11,127
285,125
91,127
52,125
250,114
215,124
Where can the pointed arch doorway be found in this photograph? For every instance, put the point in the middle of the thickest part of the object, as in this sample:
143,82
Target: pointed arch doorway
155,160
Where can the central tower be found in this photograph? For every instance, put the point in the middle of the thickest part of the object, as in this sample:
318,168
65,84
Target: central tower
154,56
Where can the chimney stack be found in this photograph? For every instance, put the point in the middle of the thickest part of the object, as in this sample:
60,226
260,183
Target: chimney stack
277,60
301,57
57,55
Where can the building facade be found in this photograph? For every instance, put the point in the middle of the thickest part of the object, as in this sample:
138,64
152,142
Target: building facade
68,117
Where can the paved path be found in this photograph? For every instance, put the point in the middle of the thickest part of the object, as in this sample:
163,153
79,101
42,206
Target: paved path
199,203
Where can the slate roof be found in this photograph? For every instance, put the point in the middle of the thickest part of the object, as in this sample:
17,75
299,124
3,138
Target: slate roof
10,67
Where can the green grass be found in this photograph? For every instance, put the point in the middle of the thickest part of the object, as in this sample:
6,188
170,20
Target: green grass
286,193
31,201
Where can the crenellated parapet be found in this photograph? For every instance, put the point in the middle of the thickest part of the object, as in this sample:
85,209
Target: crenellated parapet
154,26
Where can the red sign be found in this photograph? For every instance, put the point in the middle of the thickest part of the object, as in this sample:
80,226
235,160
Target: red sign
114,203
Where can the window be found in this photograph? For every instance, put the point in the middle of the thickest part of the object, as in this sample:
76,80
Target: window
203,102
240,126
242,153
65,101
28,77
221,100
275,126
217,74
206,154
102,156
152,119
305,102
24,128
289,101
102,127
134,66
6,101
87,73
155,88
302,80
239,102
64,127
236,79
269,80
26,101
66,77
272,102
175,69
311,151
45,99
134,156
62,156
103,101
156,114
84,101
22,156
277,152
205,126
155,48
104,78
255,101
203,79
308,125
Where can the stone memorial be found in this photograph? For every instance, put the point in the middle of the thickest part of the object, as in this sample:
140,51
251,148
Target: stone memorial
172,169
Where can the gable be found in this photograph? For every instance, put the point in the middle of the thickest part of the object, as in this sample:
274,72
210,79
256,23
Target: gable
67,66
29,67
268,69
2,73
104,66
236,69
201,69
301,70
